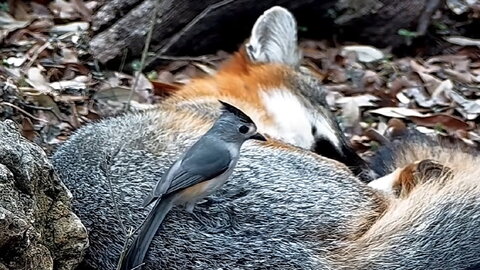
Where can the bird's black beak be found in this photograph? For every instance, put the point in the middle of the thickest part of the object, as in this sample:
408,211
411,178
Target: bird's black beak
259,137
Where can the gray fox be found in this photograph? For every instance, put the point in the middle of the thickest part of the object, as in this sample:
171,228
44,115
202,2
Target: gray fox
285,207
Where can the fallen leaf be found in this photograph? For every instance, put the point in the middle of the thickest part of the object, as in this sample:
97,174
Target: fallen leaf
82,9
162,88
459,6
419,96
144,86
366,100
463,77
463,41
365,54
440,93
36,79
350,115
431,82
9,24
469,108
63,9
448,122
70,27
117,94
208,70
71,84
396,112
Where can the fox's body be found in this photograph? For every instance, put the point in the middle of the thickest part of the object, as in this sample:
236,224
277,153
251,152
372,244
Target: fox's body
284,207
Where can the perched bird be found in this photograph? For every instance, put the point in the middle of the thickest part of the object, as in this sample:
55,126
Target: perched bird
201,170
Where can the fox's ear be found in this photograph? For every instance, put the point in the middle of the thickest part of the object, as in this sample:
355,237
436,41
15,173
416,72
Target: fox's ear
274,38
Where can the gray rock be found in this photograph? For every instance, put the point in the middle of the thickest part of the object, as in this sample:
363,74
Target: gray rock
38,230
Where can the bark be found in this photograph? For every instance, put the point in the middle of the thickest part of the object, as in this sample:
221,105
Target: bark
189,27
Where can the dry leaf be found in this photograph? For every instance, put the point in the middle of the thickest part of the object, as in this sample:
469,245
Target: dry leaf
37,80
70,27
469,108
448,122
463,41
396,112
364,54
366,100
9,24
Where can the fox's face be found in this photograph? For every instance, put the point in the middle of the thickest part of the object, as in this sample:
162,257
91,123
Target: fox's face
287,101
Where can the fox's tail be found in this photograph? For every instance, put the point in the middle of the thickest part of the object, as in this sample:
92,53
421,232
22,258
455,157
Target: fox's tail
436,226
138,249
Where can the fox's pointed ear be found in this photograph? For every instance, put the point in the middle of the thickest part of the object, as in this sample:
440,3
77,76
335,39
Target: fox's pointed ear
274,38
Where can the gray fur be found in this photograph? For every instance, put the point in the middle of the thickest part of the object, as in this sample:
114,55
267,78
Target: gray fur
281,209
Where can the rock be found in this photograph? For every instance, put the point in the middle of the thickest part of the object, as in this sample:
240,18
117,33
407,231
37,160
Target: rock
38,230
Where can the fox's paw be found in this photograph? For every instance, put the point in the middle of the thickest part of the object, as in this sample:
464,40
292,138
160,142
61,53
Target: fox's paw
417,173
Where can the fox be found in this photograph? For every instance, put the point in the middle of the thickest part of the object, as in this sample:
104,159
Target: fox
301,200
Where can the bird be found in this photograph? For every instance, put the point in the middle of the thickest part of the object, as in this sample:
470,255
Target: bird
197,173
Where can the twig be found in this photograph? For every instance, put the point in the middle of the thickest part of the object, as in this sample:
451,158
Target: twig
106,171
50,109
200,16
202,58
430,7
124,58
144,53
23,111
35,55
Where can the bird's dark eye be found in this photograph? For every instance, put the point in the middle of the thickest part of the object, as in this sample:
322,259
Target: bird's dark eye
243,129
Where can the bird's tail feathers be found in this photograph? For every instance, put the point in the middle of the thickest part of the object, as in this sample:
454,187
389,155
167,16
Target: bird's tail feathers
138,248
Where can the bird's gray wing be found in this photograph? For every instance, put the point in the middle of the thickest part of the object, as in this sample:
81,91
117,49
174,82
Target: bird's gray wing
204,161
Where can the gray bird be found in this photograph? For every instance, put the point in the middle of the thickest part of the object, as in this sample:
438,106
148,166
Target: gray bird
201,170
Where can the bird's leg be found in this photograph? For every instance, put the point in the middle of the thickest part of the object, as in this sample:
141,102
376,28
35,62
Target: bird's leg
209,201
189,208
208,227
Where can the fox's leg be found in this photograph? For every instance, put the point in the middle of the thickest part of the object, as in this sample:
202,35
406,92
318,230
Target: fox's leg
403,180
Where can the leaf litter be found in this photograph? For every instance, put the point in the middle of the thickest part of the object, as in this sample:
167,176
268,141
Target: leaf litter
50,85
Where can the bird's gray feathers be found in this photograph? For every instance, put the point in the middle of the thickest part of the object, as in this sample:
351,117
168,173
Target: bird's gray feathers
206,159
139,246
230,109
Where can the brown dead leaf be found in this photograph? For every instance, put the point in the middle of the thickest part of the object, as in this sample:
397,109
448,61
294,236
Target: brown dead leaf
162,88
28,131
9,24
81,8
430,82
422,69
143,87
449,58
464,77
448,122
208,70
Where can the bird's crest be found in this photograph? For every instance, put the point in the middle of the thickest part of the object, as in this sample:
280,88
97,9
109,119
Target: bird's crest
237,112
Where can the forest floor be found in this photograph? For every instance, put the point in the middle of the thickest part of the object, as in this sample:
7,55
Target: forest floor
50,85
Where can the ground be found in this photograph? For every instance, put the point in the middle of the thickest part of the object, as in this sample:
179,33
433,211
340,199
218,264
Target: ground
50,85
